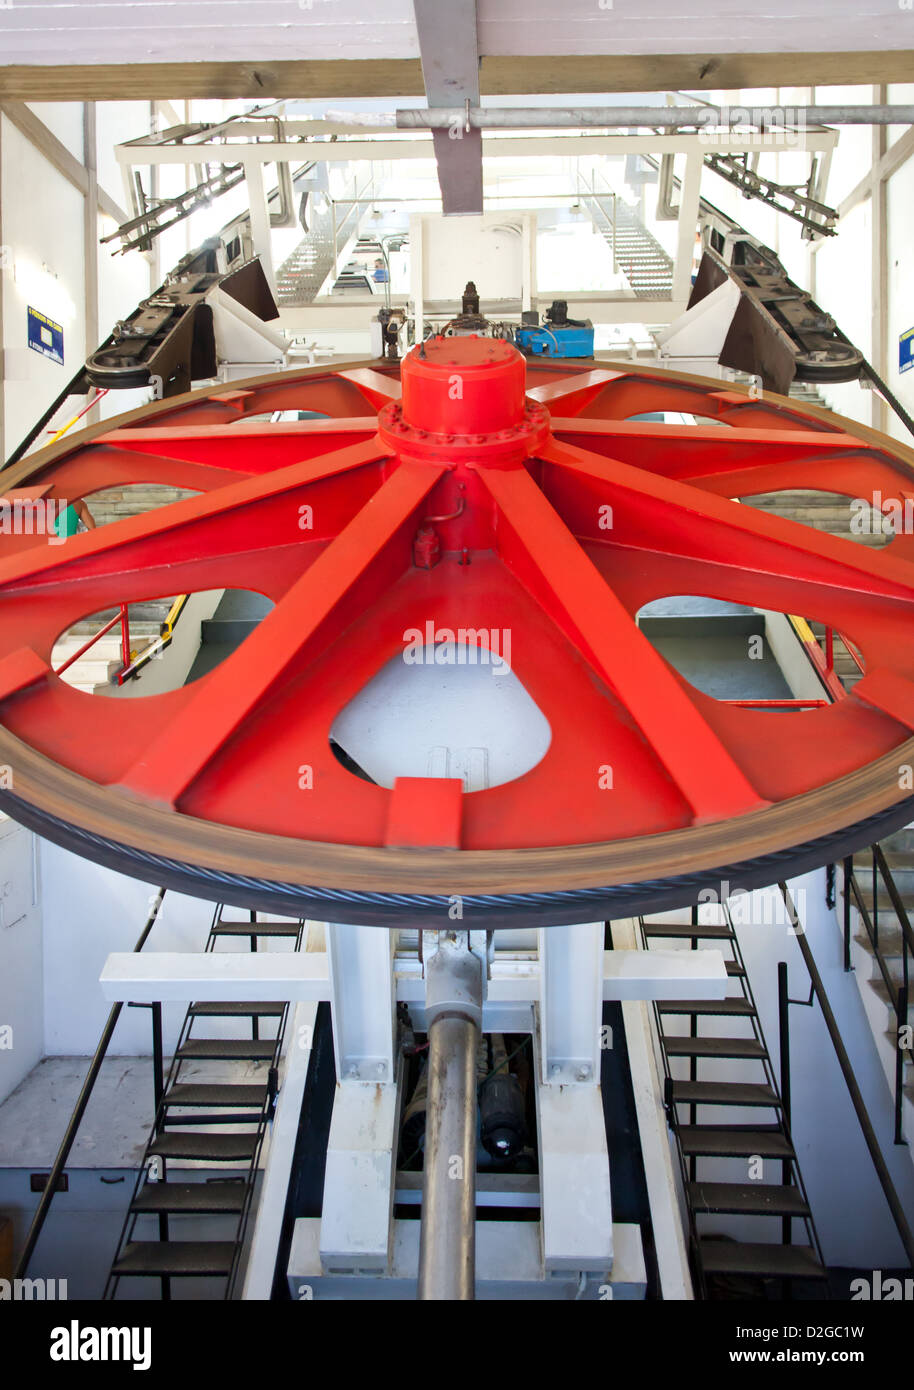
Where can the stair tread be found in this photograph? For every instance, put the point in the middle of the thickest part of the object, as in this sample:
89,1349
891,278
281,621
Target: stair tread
228,1049
256,929
733,1142
714,1047
746,1199
222,1094
187,1257
221,1148
773,1261
739,1007
237,1008
711,930
199,1197
724,1093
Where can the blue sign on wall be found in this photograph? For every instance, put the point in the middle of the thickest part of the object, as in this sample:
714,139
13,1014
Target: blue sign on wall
45,336
906,350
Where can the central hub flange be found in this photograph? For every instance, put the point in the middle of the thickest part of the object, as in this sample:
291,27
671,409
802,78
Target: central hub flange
464,397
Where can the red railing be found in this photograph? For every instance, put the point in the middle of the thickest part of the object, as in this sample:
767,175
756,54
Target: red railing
121,617
824,661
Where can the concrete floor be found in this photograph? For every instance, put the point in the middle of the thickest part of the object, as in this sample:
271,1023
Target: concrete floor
118,1119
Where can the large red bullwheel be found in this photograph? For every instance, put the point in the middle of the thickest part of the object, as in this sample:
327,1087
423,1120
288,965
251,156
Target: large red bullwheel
492,496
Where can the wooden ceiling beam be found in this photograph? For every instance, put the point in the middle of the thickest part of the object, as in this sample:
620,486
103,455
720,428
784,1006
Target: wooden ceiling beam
401,77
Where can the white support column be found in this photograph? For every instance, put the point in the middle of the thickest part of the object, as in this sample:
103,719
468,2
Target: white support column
689,198
574,1163
363,1001
357,1219
571,1003
359,1181
417,261
528,288
260,217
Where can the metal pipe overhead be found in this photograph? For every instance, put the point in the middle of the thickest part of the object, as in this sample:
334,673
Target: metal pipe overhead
653,117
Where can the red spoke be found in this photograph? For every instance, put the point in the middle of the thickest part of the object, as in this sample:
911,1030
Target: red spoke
375,386
573,393
687,451
673,518
258,447
367,555
743,464
548,560
325,392
259,511
634,393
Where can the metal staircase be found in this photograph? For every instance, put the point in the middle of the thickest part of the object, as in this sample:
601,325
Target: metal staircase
696,1065
331,226
212,1110
636,252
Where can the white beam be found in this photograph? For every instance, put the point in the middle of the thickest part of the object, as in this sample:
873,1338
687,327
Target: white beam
148,976
420,146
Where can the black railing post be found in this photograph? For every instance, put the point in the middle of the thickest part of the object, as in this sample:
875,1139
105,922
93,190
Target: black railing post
784,1051
902,1023
848,879
158,1074
830,876
875,899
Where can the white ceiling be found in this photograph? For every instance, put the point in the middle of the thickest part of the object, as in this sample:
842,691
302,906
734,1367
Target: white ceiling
145,31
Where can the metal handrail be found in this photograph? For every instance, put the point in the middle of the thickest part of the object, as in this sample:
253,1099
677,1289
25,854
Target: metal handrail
688,1169
898,994
866,1125
823,663
66,1144
142,658
261,1119
118,618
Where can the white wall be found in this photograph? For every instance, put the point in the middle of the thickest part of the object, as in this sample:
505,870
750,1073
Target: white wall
43,231
88,912
44,253
21,954
844,289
